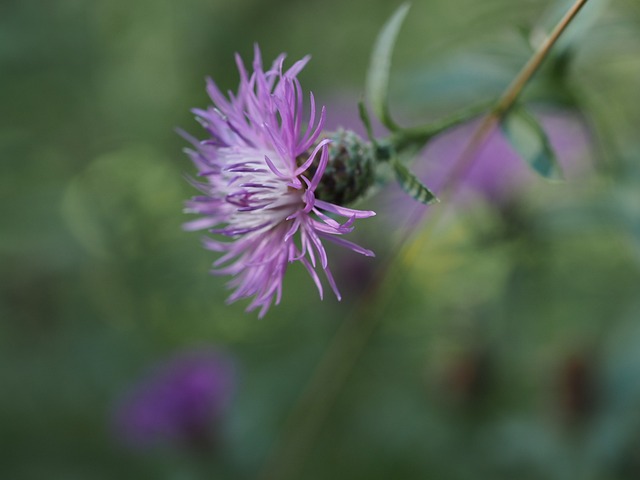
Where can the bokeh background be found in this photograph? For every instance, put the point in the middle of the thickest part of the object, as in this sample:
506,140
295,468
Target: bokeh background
506,345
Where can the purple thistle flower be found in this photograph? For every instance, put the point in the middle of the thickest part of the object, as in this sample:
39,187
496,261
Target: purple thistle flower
178,403
261,171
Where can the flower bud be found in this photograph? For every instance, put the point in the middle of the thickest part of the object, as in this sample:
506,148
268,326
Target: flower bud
350,171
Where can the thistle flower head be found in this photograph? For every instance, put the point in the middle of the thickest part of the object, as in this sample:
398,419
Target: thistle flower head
351,170
261,166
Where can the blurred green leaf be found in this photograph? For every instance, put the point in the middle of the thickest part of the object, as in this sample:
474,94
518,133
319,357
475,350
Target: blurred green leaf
124,201
411,184
528,138
377,84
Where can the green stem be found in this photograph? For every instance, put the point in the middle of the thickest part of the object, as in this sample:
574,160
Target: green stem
417,137
510,95
308,415
506,101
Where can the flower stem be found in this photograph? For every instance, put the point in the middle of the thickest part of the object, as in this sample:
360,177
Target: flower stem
308,414
513,91
506,101
417,137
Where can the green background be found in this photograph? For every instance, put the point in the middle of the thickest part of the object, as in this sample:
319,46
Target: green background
507,344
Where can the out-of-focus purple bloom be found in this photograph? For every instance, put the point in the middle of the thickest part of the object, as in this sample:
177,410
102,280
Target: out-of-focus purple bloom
260,171
498,173
179,403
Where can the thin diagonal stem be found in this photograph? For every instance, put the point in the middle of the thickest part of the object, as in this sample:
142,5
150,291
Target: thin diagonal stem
506,101
307,416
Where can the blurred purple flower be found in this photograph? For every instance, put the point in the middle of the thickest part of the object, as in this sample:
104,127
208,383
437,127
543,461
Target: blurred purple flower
261,169
179,403
498,174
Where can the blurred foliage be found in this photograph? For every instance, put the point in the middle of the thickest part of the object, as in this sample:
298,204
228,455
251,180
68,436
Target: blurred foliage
509,348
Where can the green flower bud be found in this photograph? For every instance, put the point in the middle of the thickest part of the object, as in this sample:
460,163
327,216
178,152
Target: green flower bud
350,171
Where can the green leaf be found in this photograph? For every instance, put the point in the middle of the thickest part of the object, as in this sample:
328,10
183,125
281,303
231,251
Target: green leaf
377,84
528,138
411,184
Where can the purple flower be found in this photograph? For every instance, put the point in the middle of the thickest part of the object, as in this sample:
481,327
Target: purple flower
179,403
261,167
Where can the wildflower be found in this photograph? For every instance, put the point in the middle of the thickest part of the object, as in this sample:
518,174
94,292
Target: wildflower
179,403
262,166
